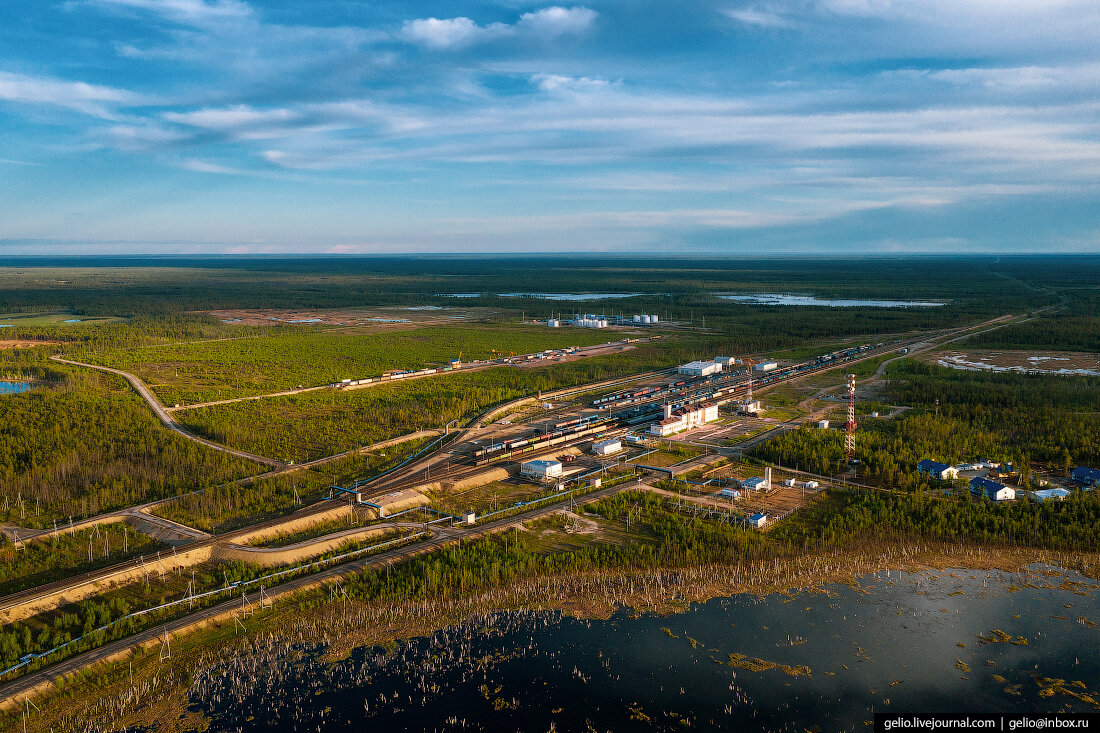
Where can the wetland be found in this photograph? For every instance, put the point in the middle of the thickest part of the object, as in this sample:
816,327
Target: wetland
821,658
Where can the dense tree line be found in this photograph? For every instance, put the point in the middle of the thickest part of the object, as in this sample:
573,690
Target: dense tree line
668,540
1049,418
1005,417
86,443
854,516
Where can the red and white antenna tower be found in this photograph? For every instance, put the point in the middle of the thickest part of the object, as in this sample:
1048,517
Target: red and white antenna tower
850,435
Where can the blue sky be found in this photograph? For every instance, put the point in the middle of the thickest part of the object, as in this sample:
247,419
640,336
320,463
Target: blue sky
697,126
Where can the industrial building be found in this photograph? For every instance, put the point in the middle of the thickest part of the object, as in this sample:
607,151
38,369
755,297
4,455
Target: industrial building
765,366
726,361
607,447
750,407
990,489
756,483
940,471
699,368
823,424
684,418
541,470
758,520
729,494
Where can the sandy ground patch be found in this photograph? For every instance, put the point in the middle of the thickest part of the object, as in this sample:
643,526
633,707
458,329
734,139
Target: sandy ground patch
22,344
1030,362
412,315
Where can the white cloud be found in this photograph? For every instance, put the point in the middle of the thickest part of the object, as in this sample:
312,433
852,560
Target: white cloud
202,166
754,16
556,21
230,118
450,32
558,83
447,33
91,99
190,12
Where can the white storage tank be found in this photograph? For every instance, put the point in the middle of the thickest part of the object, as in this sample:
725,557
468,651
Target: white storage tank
637,319
553,322
654,318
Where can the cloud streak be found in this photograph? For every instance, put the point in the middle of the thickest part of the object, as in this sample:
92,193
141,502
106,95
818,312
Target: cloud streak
453,33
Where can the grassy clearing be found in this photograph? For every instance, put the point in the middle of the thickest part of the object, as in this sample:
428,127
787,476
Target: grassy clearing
490,497
311,356
668,456
783,414
29,564
225,508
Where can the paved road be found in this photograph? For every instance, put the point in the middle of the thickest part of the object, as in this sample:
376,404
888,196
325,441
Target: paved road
16,689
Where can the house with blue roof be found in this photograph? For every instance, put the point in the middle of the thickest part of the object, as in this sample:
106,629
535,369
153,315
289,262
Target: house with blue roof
1086,476
937,470
990,489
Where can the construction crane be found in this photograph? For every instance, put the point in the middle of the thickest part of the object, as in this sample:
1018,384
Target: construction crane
850,427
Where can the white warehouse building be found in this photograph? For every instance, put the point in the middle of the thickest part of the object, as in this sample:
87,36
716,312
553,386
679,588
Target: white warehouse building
765,366
684,418
541,470
607,447
699,368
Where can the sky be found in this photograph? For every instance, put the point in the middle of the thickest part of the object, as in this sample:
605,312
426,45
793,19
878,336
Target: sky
726,127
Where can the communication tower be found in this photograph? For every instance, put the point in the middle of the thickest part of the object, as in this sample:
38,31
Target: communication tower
850,434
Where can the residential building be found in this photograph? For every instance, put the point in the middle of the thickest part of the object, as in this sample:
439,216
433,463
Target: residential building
941,471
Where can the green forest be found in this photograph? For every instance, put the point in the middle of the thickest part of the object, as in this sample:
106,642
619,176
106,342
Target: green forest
846,517
1054,420
312,356
84,443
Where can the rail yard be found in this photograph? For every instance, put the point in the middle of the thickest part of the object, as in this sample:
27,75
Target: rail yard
469,480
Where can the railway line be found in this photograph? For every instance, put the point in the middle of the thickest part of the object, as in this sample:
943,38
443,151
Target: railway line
451,461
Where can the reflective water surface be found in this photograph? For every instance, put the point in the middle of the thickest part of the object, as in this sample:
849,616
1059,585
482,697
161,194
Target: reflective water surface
780,299
827,659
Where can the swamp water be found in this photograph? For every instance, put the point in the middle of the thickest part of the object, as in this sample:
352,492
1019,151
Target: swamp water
817,660
14,387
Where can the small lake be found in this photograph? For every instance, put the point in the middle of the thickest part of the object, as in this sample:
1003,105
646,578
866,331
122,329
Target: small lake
13,387
577,297
823,660
780,299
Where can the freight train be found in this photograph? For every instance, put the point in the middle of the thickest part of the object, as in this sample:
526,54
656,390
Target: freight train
563,432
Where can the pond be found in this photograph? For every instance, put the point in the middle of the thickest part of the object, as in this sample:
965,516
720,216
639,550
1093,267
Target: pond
824,659
572,297
781,299
13,387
